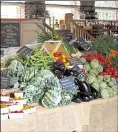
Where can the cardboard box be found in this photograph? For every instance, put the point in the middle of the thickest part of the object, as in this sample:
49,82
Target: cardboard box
55,46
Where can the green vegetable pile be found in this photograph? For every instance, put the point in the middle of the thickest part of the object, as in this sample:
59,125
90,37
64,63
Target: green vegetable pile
38,83
105,85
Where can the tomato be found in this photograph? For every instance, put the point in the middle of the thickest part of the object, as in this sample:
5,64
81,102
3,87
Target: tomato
101,74
110,73
112,69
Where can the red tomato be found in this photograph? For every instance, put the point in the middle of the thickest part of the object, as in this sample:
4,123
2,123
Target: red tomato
112,69
110,73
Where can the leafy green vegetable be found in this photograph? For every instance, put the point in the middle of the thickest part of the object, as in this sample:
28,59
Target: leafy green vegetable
51,99
104,44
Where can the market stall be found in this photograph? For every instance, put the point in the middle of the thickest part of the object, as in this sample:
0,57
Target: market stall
54,74
92,116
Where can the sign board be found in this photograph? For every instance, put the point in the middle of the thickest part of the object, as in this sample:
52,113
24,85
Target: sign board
67,83
74,61
5,82
81,74
24,51
83,44
10,34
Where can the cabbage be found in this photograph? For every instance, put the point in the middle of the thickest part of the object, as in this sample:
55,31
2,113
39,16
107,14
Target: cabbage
94,64
100,68
95,85
87,67
103,85
104,93
91,79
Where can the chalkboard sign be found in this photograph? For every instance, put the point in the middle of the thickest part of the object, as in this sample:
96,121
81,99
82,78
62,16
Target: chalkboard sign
5,82
24,51
81,74
10,34
67,83
74,61
83,44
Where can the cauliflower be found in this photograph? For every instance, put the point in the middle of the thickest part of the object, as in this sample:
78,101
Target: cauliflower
94,64
110,84
107,78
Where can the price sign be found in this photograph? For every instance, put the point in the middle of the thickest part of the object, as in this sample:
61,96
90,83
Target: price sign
81,74
67,83
83,44
5,82
24,51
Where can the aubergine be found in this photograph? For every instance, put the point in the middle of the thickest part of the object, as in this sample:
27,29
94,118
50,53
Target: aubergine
67,73
84,98
59,74
59,66
94,92
76,100
83,86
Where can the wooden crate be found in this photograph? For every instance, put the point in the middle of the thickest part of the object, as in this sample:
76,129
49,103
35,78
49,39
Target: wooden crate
55,46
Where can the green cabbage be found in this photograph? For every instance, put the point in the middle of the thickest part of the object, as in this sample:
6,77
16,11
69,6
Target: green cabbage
94,64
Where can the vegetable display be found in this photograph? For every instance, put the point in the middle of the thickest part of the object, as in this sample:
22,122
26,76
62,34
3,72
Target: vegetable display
39,74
